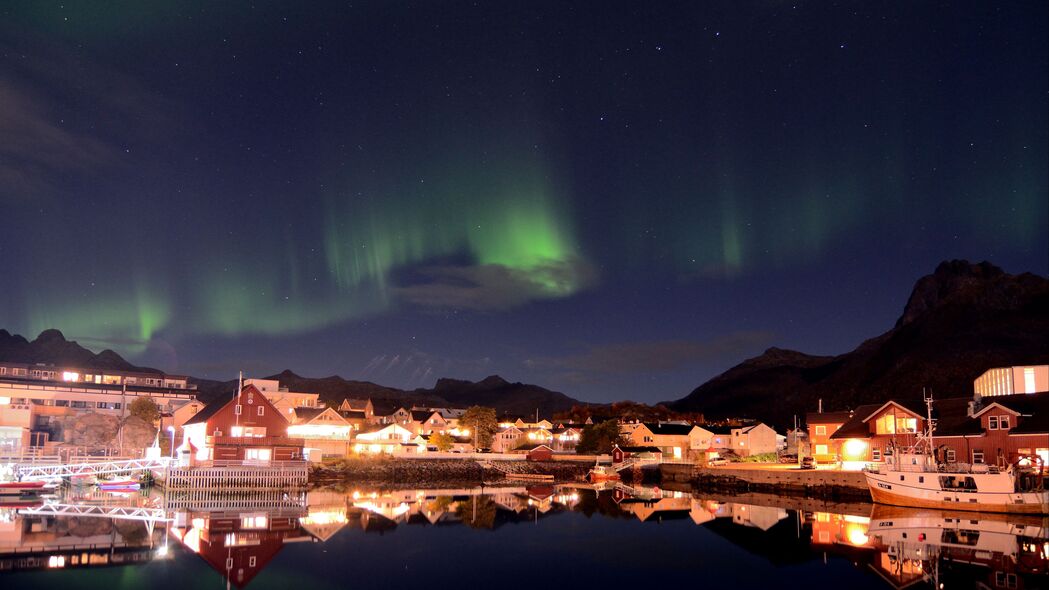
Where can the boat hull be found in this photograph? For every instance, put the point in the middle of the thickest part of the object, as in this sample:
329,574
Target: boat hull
886,491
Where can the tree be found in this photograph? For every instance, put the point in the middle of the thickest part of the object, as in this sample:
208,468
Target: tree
599,438
442,441
482,423
144,408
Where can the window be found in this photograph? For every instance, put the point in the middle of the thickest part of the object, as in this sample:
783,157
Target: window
875,454
251,561
262,410
236,410
977,456
821,430
101,405
951,456
1003,422
1029,384
992,423
821,449
3,370
62,403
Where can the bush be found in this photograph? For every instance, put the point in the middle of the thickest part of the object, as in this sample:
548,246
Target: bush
762,458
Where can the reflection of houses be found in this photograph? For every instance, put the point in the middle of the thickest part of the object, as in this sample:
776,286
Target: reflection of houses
995,551
839,529
239,545
245,427
48,542
664,505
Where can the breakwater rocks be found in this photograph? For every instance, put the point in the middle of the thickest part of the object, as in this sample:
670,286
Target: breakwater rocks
420,472
826,484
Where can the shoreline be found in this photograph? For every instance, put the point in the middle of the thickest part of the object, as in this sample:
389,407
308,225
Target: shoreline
406,473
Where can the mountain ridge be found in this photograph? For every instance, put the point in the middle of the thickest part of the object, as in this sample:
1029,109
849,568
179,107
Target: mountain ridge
959,321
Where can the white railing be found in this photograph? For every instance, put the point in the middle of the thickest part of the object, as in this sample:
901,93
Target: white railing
92,510
39,472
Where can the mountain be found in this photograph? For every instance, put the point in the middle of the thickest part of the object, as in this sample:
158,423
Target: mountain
51,347
519,399
958,322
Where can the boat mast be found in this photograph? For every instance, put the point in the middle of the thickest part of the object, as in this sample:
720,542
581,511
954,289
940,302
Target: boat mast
928,421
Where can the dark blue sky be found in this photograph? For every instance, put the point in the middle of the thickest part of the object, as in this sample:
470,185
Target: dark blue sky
615,200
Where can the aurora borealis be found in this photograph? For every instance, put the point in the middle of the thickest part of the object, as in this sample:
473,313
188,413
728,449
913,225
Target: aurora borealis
400,191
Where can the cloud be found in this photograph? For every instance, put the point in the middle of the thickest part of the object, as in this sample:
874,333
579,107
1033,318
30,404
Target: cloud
63,116
658,356
494,287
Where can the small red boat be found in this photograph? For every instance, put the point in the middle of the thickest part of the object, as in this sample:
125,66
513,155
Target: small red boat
21,488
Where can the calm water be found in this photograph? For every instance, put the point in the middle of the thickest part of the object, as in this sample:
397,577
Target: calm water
508,538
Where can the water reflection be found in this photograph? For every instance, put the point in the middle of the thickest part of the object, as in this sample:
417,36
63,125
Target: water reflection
238,537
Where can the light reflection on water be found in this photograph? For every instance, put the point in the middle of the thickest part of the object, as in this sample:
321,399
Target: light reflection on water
511,536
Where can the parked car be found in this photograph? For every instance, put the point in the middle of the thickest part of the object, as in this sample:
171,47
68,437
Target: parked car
808,463
788,459
718,461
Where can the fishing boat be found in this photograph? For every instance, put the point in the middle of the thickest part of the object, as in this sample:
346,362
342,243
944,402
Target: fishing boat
600,473
21,488
914,478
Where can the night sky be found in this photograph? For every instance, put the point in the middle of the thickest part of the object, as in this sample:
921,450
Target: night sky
615,200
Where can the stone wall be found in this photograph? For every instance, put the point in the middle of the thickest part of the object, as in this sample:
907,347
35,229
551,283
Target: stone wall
816,482
393,472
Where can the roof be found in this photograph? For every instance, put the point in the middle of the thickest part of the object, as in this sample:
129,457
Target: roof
353,414
640,449
827,417
856,426
669,429
422,415
210,410
719,429
308,413
1033,409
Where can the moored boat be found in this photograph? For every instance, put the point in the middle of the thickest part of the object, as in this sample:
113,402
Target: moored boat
602,473
118,485
914,478
21,488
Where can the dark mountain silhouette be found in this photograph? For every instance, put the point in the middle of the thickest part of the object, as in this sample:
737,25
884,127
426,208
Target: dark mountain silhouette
958,322
52,348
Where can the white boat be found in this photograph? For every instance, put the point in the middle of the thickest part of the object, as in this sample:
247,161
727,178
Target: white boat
914,478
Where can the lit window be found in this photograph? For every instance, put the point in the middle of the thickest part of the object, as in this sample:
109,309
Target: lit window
875,454
821,449
70,376
821,430
977,456
951,456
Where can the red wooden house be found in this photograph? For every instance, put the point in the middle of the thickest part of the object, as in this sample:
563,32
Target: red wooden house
244,427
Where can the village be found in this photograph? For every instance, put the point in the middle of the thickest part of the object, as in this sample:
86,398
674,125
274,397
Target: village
68,412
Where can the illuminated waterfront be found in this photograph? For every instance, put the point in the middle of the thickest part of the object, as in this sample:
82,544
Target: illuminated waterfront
513,537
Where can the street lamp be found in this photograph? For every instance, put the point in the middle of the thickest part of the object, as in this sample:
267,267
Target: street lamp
171,429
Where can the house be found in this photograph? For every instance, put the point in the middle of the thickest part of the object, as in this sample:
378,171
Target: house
755,439
389,439
565,439
325,432
676,441
357,420
358,405
620,454
871,430
998,430
506,439
1012,380
540,453
284,400
821,425
242,427
427,422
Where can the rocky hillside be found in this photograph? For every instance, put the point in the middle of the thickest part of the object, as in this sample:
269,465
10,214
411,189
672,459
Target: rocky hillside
52,348
959,321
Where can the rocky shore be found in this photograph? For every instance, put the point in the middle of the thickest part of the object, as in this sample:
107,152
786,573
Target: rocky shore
406,473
